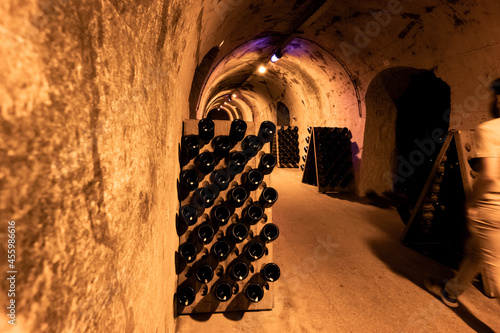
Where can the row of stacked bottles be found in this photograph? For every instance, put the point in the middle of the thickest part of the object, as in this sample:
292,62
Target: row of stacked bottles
334,156
330,149
288,147
224,223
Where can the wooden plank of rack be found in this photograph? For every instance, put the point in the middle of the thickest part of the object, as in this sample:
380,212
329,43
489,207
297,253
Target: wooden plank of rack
310,160
427,185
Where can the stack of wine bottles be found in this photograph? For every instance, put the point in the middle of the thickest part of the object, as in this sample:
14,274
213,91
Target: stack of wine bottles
288,147
437,216
224,260
332,158
333,147
274,147
431,201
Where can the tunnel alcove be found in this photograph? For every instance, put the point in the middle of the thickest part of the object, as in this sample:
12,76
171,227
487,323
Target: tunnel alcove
283,115
421,127
404,105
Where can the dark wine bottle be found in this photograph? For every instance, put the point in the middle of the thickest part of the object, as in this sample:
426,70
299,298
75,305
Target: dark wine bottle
189,179
307,139
190,146
268,197
302,167
253,179
221,250
205,233
254,250
188,251
254,292
267,164
237,131
266,131
237,196
221,214
238,232
223,291
304,157
206,128
222,145
309,129
253,214
204,197
221,178
189,214
251,146
240,271
270,272
269,232
186,295
206,162
306,148
236,163
204,273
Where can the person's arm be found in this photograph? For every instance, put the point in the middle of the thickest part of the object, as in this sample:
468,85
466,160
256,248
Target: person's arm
487,167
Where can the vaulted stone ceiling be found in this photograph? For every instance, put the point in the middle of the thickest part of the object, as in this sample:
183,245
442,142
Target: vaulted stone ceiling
363,37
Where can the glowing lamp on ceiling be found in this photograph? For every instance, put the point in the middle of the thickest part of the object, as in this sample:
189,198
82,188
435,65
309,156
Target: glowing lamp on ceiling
262,69
277,56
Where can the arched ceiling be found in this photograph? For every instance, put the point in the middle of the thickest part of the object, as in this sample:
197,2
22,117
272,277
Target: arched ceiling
363,37
305,75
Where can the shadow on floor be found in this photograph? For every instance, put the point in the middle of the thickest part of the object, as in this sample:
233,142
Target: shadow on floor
351,197
384,201
415,266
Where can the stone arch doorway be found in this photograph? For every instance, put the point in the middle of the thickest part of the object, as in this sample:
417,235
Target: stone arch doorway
407,109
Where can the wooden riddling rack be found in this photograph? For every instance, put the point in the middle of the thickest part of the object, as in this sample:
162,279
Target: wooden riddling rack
205,301
438,219
328,162
288,147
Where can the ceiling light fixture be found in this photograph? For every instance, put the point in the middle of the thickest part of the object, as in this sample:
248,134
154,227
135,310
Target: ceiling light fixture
277,56
262,69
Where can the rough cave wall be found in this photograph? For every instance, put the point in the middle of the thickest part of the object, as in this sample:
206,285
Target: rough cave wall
93,94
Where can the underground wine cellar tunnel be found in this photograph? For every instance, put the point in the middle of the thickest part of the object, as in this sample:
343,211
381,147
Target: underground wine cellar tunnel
94,94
